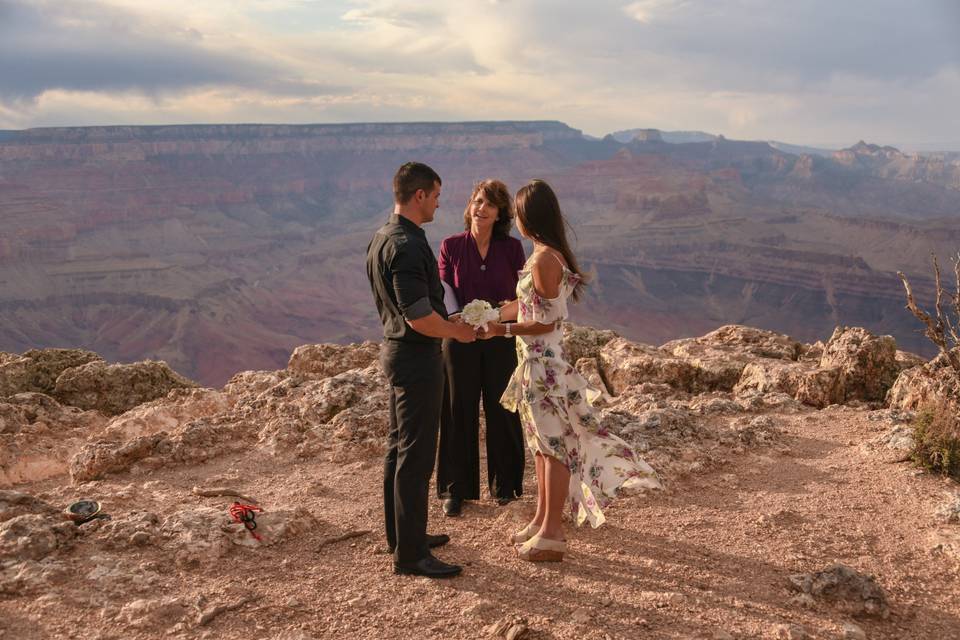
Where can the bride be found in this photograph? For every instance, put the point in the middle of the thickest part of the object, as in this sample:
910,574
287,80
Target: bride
578,463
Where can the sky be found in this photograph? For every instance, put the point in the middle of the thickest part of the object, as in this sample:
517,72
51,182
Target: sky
817,72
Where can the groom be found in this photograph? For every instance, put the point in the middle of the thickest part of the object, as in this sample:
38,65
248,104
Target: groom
406,286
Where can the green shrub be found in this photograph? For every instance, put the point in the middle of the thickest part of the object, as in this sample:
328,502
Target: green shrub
936,435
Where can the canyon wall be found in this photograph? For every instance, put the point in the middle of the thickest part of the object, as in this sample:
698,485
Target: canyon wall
221,247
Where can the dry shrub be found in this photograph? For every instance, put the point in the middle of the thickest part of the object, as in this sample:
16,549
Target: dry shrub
936,433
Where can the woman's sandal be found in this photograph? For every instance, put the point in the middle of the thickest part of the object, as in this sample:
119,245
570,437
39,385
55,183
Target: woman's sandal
524,534
538,549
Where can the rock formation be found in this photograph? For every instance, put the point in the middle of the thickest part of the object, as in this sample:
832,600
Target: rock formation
303,444
221,248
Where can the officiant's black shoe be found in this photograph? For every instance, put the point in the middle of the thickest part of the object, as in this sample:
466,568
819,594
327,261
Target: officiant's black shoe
433,541
452,507
428,567
502,501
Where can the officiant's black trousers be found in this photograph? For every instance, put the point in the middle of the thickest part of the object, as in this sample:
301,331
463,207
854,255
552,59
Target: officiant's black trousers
474,370
415,374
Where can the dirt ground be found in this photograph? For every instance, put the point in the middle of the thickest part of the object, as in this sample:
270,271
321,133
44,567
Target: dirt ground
707,558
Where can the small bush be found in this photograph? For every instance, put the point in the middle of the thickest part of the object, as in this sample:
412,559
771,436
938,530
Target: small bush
936,434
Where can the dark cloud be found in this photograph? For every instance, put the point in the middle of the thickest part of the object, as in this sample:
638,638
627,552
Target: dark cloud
92,47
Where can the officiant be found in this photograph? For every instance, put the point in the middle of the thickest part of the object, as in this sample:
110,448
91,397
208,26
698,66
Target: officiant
482,263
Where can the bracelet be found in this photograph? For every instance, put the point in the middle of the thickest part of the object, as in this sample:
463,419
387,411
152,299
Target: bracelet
506,330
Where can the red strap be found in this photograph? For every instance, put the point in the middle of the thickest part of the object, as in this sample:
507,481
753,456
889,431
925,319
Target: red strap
245,515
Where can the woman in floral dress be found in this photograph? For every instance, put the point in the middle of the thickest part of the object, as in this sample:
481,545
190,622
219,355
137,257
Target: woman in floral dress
578,463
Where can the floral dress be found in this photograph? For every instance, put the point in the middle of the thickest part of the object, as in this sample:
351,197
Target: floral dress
554,403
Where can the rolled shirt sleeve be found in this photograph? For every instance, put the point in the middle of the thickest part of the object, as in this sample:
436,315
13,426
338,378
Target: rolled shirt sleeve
410,284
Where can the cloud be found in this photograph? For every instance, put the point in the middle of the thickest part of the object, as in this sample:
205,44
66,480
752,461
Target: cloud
92,46
814,71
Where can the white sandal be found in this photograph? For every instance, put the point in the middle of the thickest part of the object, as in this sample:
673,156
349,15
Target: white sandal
524,534
538,549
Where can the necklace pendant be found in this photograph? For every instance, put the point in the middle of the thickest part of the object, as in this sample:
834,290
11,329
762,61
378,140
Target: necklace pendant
483,267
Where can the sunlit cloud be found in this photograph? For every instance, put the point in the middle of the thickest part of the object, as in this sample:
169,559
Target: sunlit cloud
813,72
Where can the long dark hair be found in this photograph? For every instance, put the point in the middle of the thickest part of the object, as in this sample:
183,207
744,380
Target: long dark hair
538,212
496,192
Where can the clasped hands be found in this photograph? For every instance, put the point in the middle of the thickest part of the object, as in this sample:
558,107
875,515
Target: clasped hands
467,333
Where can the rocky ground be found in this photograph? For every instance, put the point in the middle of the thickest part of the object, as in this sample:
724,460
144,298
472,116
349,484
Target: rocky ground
790,509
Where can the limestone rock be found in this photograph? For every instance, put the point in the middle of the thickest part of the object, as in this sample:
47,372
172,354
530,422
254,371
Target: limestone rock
273,527
116,388
741,339
154,613
907,360
303,414
589,368
196,534
947,513
12,419
17,503
760,430
96,459
250,384
821,387
179,407
33,536
37,369
768,376
896,445
853,632
626,363
509,628
855,592
867,364
584,342
924,384
325,360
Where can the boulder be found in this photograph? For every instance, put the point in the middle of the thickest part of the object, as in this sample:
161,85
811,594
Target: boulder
325,360
38,369
737,338
855,592
866,364
33,536
584,342
169,413
116,388
96,459
626,363
821,387
249,384
273,527
925,384
772,376
907,360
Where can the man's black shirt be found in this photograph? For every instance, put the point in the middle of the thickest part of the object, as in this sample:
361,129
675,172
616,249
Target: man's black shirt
403,275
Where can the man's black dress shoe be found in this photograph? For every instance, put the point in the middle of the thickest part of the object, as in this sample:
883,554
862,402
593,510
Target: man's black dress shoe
428,567
452,507
433,541
505,501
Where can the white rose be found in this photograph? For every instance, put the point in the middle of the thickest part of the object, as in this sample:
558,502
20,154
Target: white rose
478,313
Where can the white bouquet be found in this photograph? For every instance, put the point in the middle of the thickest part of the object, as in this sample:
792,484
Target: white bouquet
478,313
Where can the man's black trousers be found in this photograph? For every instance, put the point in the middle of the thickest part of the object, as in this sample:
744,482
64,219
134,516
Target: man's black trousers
474,370
415,374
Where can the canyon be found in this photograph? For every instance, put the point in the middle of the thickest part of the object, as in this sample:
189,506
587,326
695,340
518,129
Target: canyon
219,248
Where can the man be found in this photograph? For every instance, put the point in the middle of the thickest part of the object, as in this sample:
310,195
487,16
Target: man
406,287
